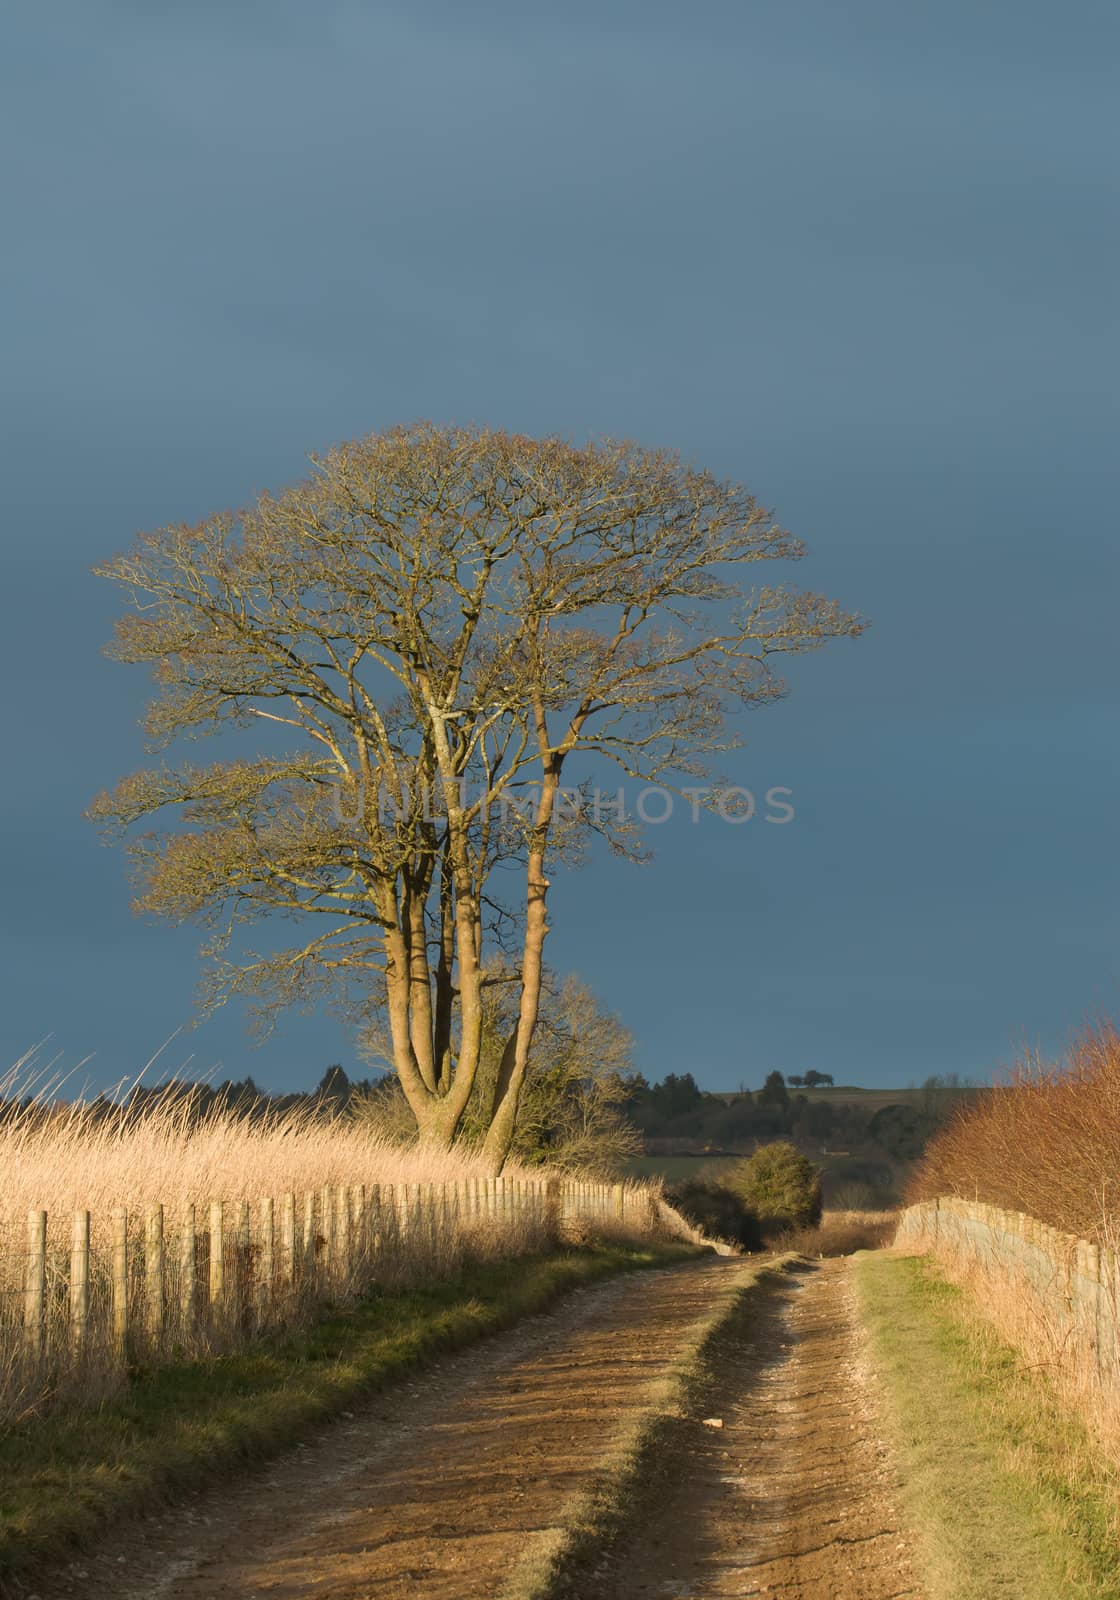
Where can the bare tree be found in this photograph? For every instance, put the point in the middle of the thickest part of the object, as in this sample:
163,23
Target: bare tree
439,621
572,1108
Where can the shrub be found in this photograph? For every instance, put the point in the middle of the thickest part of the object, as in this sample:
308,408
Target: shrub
780,1185
1045,1143
714,1208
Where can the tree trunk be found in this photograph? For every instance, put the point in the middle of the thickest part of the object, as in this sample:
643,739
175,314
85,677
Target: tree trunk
515,1056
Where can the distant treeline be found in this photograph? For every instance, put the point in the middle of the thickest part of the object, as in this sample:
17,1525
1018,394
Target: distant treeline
871,1144
334,1094
677,1111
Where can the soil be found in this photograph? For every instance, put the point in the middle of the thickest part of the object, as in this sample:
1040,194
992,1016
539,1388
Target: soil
435,1489
795,1495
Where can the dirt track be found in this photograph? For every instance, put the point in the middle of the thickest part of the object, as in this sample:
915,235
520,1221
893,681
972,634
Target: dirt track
436,1490
794,1495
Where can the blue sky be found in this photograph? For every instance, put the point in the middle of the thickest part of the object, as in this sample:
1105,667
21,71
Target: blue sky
862,257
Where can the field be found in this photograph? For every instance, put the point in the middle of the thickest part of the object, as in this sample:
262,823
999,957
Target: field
871,1100
630,1438
674,1168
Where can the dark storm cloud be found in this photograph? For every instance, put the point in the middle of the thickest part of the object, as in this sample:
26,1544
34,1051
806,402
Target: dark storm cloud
863,256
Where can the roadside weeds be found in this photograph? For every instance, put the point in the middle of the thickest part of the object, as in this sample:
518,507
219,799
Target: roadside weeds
1008,1492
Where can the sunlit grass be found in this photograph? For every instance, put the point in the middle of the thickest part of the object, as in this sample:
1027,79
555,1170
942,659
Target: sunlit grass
1005,1485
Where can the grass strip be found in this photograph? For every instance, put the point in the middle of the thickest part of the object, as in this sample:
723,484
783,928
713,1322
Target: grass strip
1007,1490
66,1476
560,1560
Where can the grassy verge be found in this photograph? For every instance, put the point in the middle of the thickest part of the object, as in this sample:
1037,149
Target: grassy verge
1006,1489
559,1564
68,1475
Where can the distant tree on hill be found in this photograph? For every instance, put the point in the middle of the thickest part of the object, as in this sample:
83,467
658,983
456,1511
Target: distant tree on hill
795,1081
774,1092
815,1119
736,1121
675,1095
816,1080
941,1094
334,1088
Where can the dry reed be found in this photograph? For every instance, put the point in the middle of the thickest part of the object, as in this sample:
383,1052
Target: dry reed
211,1229
841,1233
1046,1144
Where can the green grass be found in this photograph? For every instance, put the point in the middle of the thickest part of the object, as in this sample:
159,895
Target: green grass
67,1475
674,1168
1008,1492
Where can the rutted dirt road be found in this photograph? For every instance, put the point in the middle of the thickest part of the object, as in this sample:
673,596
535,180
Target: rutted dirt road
437,1489
795,1495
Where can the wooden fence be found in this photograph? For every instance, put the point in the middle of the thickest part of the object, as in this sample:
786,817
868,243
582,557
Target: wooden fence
1057,1297
88,1294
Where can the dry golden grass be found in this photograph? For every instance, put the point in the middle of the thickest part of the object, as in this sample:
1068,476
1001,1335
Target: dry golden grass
1044,1146
841,1233
366,1210
60,1157
1007,1487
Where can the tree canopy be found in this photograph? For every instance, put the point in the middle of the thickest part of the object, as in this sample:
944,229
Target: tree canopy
441,622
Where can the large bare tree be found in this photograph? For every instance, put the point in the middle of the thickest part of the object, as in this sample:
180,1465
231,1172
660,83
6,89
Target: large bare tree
572,1106
440,622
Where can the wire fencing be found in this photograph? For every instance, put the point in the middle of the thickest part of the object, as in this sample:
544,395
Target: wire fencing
1055,1296
85,1296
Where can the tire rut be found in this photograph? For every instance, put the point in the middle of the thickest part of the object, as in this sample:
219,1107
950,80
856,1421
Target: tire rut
795,1495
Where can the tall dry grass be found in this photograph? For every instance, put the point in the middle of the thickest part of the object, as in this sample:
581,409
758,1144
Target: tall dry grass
367,1211
74,1155
1047,1143
841,1232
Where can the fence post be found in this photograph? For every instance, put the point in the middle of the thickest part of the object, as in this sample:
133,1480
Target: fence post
217,1253
326,1228
309,1232
553,1203
188,1270
119,1249
153,1272
620,1201
243,1260
35,1299
359,1225
1092,1273
342,1237
375,1222
79,1280
288,1238
268,1249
